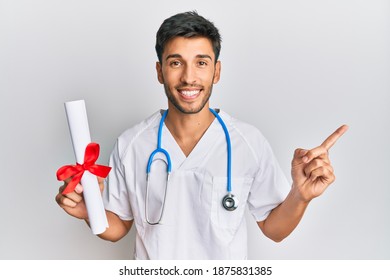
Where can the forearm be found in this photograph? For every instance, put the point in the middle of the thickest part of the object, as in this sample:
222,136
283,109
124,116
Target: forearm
283,219
117,227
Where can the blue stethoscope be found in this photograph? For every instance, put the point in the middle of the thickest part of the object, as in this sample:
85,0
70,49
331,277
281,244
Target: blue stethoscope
229,201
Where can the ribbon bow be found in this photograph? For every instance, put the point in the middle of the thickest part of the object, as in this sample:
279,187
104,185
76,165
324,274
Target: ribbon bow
77,171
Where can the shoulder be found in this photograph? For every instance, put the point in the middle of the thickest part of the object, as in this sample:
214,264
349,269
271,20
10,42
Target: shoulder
244,129
245,135
136,133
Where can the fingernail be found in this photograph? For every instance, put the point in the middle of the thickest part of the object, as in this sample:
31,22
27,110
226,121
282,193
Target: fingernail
305,159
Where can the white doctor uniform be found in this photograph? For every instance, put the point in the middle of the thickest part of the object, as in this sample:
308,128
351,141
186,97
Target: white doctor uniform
194,224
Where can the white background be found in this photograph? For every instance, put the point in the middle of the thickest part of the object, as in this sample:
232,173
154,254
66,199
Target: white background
295,69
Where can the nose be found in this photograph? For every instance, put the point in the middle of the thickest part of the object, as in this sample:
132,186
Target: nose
188,75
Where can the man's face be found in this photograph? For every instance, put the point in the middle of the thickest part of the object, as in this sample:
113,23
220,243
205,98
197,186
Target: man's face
188,72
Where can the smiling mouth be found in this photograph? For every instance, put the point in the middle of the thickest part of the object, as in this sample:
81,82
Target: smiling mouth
189,93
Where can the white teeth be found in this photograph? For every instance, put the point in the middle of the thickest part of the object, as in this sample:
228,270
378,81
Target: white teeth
189,92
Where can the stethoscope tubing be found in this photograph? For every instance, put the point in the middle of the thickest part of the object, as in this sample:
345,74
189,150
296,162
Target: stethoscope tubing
159,149
229,202
229,151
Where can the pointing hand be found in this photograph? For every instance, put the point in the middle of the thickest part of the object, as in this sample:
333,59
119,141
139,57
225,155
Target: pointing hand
311,169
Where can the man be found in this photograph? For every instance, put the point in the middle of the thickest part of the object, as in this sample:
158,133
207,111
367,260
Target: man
184,217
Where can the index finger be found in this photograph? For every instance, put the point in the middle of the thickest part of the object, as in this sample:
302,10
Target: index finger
331,140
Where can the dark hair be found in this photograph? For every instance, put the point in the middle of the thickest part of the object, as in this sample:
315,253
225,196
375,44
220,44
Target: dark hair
188,24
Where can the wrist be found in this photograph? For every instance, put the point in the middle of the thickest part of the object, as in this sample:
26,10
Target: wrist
299,196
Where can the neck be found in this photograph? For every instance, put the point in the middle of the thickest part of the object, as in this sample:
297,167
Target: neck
188,129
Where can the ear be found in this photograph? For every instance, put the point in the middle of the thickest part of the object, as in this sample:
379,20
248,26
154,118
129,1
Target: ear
159,72
217,72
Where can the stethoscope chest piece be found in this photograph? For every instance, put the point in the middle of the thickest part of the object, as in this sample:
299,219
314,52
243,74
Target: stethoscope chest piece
229,202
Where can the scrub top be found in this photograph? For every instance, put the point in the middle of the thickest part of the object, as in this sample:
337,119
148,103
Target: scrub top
194,224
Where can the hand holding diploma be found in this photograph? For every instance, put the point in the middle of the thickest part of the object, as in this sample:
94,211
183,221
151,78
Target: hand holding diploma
73,203
88,206
84,201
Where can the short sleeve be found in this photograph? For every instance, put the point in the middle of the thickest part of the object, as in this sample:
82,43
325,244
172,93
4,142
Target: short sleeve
115,194
270,186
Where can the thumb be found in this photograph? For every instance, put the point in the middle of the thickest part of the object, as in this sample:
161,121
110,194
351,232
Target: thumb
79,189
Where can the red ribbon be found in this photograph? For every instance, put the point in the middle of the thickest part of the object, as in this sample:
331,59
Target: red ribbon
77,171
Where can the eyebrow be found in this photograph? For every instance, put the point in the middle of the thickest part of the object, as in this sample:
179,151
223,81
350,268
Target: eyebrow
176,55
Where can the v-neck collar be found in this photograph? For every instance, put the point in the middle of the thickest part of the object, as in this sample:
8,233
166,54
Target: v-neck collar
201,150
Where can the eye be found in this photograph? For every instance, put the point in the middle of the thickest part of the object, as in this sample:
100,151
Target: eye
202,63
175,63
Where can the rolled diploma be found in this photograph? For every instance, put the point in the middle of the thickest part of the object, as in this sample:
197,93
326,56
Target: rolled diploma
79,132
